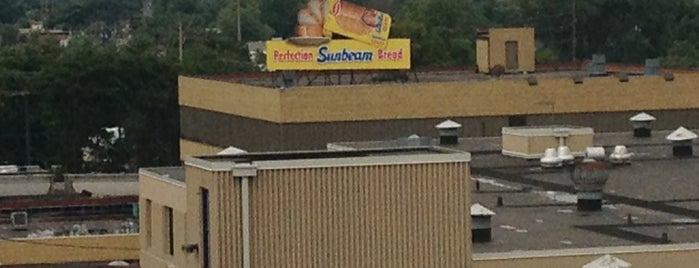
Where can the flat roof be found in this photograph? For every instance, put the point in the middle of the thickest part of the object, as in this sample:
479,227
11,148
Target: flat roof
61,226
656,190
175,173
422,75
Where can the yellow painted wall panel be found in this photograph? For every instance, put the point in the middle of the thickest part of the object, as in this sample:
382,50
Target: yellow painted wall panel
244,100
69,249
493,97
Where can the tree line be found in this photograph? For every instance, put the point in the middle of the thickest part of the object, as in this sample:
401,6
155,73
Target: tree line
120,67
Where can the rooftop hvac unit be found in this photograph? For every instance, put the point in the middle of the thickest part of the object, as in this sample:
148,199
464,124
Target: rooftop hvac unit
596,66
20,220
652,67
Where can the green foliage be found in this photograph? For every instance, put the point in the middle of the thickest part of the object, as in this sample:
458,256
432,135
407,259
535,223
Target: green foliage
546,55
683,54
442,31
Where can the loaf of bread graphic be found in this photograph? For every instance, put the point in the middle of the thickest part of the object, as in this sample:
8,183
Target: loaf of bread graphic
311,19
355,18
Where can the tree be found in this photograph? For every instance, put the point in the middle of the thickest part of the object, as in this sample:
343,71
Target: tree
442,31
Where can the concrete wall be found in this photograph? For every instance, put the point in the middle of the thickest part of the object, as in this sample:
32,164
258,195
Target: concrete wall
676,256
497,97
69,249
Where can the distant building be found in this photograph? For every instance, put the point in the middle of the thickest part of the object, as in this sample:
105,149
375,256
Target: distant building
363,208
36,28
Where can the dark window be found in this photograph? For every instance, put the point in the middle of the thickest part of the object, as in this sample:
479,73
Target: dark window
206,259
147,222
517,120
169,228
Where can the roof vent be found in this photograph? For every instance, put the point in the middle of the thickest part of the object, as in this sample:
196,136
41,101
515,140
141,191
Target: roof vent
231,151
481,230
589,178
669,76
532,81
565,155
682,142
448,132
550,159
118,263
642,125
620,155
20,220
623,77
595,153
414,141
607,261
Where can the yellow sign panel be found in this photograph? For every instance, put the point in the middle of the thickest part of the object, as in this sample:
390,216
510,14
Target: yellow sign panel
357,22
344,54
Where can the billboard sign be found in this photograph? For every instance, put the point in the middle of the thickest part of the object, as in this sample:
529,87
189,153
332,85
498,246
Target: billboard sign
338,54
357,22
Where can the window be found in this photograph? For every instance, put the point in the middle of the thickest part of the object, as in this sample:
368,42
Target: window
147,227
169,231
517,120
206,262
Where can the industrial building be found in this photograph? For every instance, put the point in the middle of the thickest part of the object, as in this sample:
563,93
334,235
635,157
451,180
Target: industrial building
642,211
404,207
249,113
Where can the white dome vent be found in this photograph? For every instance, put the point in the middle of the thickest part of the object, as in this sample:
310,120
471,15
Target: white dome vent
550,159
620,155
565,155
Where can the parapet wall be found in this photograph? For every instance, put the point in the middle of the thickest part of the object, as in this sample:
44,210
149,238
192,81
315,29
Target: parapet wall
495,97
69,249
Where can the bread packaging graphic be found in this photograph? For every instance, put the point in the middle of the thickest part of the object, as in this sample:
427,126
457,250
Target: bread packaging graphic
322,18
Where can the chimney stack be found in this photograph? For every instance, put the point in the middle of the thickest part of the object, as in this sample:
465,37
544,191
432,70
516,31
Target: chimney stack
589,178
481,230
642,125
682,142
448,132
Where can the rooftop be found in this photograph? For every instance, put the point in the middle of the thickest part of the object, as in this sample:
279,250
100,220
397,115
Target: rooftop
422,154
431,74
654,194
